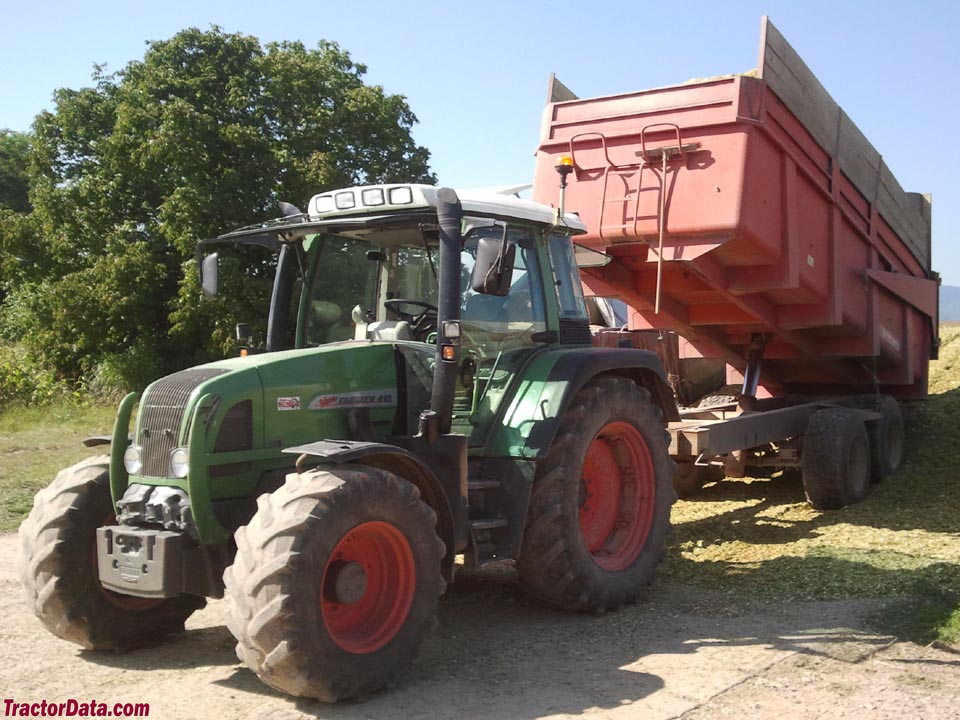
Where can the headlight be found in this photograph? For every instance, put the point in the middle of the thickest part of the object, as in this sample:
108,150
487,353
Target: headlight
401,196
133,459
180,462
345,200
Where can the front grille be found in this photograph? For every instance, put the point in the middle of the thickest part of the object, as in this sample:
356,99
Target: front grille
161,415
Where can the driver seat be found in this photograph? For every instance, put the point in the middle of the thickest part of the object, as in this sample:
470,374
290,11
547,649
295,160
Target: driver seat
389,330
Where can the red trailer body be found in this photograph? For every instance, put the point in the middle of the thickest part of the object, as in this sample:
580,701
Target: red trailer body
750,208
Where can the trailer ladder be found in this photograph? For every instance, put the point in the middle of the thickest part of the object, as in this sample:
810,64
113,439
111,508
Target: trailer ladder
649,159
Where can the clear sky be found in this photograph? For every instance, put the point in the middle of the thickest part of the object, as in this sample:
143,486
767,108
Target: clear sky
475,73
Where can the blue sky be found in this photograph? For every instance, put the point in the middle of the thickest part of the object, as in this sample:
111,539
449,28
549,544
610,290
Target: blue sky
475,73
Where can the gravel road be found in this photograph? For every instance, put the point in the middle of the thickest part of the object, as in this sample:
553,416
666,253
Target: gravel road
496,654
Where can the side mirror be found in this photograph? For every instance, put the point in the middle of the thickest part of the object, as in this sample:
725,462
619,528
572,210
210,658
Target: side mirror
210,275
244,335
493,270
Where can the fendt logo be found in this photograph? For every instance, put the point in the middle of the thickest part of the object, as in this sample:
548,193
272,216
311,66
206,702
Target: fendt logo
288,403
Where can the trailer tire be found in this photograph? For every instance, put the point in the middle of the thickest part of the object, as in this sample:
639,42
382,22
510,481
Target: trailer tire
600,508
887,441
722,396
835,465
690,478
309,615
58,568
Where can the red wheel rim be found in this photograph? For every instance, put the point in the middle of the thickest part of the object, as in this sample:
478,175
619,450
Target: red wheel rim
379,559
617,494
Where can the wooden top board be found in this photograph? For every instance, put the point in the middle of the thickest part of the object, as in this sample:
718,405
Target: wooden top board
785,73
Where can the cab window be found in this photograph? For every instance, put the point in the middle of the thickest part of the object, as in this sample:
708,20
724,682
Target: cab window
344,276
566,279
522,309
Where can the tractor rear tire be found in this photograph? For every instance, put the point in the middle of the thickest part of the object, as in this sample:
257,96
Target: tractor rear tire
335,582
58,569
600,508
835,462
887,441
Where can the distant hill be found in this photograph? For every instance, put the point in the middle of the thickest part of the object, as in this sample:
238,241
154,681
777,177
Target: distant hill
949,303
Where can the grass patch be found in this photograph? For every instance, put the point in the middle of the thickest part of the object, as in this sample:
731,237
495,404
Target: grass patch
948,627
36,442
929,615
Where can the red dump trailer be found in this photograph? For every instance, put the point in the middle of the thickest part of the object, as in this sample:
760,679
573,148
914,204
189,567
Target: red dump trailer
751,206
751,216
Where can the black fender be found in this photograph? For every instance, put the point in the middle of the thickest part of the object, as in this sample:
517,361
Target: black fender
575,369
446,493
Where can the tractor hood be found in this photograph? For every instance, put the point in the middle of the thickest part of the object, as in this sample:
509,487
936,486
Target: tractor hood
271,401
306,395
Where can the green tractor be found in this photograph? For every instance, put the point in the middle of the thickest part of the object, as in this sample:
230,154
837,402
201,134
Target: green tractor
428,396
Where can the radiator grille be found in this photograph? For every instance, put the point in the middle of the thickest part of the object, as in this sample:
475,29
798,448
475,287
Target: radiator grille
161,415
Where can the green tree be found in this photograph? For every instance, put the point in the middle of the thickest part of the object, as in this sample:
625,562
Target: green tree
17,231
14,180
209,131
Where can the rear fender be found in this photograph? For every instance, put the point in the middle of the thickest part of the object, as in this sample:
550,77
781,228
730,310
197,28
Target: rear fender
530,423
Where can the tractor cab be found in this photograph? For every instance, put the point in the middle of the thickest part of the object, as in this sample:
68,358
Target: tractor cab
366,262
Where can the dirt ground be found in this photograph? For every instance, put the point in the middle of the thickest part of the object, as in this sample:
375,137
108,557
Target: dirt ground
496,654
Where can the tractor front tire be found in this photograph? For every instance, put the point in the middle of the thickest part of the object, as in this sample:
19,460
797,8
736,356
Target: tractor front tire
58,569
600,508
335,582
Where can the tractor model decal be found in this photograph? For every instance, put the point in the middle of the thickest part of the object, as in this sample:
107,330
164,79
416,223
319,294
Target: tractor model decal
359,399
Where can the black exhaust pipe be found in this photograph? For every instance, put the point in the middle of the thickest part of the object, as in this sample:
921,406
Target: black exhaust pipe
449,214
283,282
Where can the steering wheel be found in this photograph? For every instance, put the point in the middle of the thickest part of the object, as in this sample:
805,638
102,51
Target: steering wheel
421,323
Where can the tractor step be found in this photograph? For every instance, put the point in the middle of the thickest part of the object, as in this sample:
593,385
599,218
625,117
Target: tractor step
483,484
489,523
482,494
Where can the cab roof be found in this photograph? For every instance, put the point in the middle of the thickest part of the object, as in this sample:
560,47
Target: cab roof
366,199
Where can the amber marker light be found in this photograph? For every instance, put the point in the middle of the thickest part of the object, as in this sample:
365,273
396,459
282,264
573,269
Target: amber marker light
564,166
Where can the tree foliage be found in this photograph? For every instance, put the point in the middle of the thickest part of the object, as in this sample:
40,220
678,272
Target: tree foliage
209,131
18,249
14,180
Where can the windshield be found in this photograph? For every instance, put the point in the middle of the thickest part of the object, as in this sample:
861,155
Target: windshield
344,276
381,284
362,283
